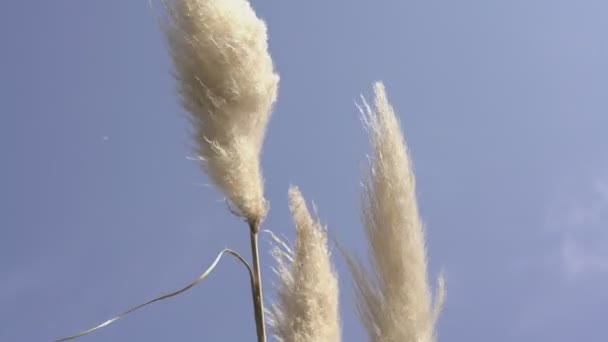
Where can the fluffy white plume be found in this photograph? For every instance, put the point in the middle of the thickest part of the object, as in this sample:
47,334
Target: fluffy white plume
307,308
226,81
394,299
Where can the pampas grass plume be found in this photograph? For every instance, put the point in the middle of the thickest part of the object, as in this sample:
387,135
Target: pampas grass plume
394,300
307,308
226,81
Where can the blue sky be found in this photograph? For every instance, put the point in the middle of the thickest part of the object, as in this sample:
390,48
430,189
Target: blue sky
504,105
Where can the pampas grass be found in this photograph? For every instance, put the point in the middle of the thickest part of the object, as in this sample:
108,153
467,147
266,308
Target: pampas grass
307,309
226,81
394,299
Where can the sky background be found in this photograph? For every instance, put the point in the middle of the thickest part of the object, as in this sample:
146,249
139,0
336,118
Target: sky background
504,105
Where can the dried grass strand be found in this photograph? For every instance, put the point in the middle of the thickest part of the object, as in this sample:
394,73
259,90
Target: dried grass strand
166,296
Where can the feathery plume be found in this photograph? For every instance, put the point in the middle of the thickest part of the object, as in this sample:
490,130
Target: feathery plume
394,300
226,81
308,295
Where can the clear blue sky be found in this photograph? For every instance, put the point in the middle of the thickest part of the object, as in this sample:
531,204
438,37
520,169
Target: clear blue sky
504,105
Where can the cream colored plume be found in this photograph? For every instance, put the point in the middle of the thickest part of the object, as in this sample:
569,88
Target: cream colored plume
226,81
307,308
394,300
